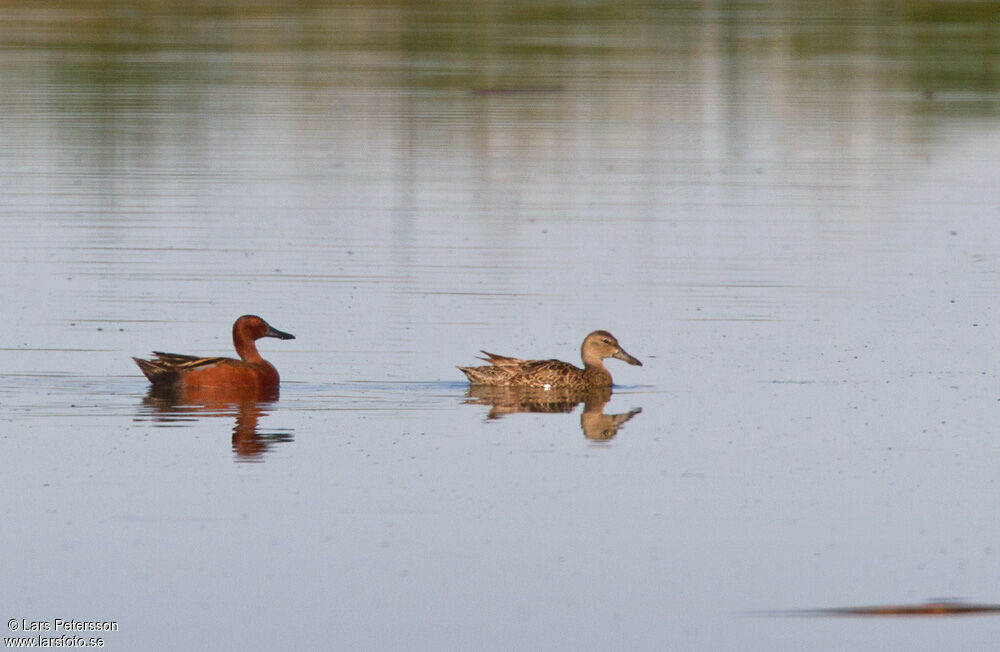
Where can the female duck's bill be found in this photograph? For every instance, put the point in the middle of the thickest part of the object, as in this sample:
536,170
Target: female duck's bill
505,371
251,371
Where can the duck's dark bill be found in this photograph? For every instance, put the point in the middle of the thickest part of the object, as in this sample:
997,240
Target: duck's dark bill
621,355
281,335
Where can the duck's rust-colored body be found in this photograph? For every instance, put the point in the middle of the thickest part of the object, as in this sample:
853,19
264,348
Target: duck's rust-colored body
251,372
513,372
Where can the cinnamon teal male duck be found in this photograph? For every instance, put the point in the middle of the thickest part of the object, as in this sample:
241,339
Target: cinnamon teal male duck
251,371
553,373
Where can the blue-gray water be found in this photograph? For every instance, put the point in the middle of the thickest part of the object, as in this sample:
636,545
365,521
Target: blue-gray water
786,210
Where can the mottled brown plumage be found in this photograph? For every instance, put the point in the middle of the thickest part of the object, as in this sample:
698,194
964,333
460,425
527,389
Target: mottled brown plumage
513,372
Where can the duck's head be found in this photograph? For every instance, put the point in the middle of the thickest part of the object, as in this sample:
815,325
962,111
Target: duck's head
602,344
255,328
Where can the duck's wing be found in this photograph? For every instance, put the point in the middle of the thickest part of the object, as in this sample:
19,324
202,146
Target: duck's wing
504,370
167,368
181,361
502,360
554,373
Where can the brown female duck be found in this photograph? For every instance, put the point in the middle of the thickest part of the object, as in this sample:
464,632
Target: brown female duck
553,373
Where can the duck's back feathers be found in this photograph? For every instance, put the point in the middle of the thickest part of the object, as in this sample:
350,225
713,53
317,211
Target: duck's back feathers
167,368
507,371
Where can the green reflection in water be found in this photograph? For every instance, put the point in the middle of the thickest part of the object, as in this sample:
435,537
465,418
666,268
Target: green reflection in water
941,57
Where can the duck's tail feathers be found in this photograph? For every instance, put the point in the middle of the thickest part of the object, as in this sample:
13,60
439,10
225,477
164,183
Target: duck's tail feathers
157,372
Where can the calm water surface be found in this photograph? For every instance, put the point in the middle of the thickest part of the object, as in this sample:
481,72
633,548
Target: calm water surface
787,211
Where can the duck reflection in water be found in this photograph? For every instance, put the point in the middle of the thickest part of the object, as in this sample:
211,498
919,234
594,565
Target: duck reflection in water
172,404
595,424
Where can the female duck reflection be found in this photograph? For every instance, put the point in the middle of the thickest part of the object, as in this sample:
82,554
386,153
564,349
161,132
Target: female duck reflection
595,424
513,385
183,385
